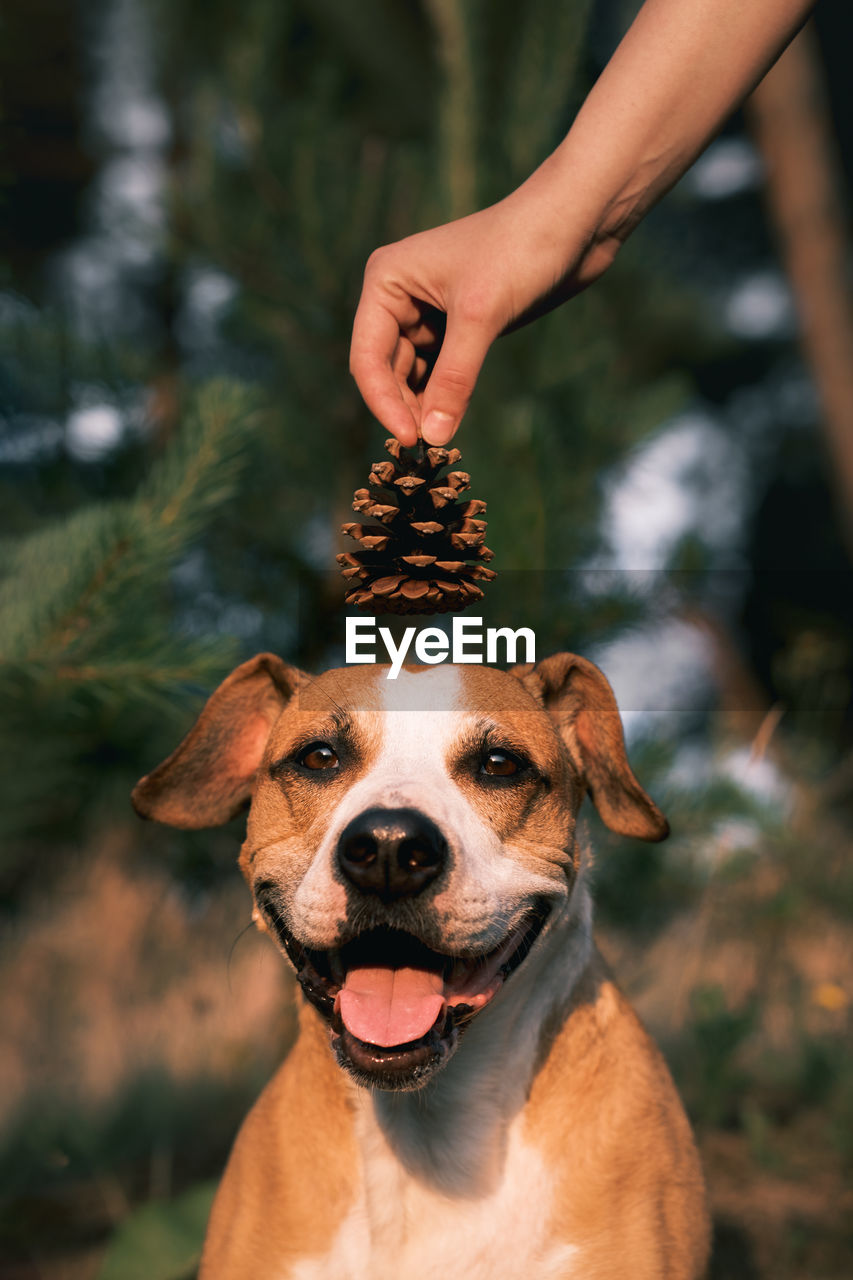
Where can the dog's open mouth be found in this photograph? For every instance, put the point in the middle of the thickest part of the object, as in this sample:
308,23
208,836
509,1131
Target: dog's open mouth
396,1007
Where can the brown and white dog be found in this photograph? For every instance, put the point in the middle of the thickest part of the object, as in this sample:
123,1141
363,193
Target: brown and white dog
470,1096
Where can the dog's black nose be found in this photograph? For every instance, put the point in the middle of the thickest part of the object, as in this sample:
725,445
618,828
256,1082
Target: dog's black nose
394,853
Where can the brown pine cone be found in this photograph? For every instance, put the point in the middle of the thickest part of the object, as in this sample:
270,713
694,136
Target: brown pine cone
417,536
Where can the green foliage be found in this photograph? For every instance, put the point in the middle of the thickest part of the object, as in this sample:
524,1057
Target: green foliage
160,1240
75,593
61,1144
89,650
715,1033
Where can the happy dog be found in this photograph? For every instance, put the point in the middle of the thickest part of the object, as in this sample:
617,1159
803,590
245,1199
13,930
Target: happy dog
469,1096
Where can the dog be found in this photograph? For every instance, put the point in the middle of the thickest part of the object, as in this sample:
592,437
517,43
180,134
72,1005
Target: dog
469,1095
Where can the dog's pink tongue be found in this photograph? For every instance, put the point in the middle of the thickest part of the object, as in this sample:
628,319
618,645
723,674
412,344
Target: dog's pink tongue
384,1006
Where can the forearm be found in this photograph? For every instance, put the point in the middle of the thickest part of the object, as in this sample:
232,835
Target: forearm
682,68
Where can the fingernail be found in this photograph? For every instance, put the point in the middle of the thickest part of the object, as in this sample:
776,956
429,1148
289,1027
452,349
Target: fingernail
438,427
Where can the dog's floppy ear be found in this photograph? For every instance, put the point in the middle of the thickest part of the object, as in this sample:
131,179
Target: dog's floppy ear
208,779
580,701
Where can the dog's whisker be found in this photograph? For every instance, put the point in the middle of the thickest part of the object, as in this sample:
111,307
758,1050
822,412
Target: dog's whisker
241,934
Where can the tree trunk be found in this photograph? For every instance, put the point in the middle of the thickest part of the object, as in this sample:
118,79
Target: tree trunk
790,120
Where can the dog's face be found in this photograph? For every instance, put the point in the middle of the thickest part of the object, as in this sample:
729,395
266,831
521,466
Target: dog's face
410,843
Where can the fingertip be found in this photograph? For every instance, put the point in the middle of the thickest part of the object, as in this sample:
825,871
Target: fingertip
438,427
385,399
405,432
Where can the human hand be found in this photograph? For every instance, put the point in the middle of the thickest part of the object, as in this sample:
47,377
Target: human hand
432,305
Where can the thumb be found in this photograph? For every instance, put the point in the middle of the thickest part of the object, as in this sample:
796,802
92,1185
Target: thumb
452,381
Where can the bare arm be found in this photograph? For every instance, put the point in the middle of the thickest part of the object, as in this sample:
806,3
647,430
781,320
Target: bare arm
683,66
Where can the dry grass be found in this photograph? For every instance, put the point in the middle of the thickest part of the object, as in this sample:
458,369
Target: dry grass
116,973
771,1109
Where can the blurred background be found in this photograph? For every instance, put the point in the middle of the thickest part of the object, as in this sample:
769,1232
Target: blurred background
188,193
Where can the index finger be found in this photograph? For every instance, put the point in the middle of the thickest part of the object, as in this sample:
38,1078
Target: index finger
375,334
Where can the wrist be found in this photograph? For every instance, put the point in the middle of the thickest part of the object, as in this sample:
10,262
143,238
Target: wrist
570,223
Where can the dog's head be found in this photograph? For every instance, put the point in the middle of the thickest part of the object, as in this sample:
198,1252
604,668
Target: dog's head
409,842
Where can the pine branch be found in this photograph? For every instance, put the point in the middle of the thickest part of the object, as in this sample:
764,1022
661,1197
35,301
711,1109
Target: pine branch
170,677
70,588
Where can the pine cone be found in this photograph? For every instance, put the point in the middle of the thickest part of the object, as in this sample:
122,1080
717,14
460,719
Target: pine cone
413,555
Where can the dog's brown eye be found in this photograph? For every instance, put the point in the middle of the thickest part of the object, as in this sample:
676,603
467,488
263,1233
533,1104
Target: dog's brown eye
319,755
500,764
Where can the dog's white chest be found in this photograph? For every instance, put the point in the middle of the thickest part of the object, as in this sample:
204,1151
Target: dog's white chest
402,1227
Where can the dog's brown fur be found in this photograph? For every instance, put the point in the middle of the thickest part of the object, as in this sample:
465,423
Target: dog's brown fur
597,1109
